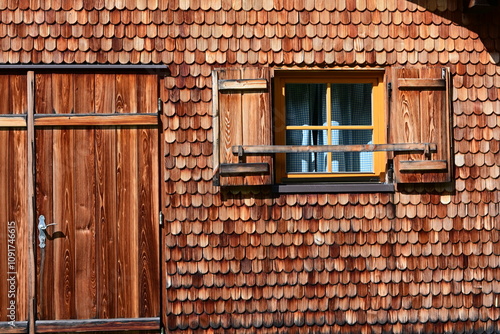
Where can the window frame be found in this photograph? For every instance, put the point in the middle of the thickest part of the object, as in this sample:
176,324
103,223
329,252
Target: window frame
379,119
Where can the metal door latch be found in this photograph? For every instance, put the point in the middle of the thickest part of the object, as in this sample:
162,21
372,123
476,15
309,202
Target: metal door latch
41,230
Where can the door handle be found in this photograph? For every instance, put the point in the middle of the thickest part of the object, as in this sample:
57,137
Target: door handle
42,236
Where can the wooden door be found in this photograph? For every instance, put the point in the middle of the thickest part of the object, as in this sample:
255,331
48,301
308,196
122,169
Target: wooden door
96,139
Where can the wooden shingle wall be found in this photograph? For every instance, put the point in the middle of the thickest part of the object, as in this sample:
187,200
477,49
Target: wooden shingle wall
425,259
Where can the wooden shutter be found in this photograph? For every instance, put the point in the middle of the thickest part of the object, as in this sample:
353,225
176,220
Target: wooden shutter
420,113
242,116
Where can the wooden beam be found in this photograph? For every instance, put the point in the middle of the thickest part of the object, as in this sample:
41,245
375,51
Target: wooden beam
268,149
244,168
417,83
423,165
96,119
20,327
98,325
12,121
242,84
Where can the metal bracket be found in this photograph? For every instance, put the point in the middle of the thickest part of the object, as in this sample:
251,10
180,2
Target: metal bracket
42,236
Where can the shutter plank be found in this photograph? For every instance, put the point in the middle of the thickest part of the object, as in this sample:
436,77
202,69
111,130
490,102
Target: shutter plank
230,108
256,124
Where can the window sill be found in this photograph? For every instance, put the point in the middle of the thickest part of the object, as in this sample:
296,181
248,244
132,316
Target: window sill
334,188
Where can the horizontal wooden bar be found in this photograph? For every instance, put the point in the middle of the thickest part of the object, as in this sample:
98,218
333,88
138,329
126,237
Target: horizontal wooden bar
98,325
267,149
244,168
11,121
418,83
91,68
355,187
423,165
242,84
95,119
19,327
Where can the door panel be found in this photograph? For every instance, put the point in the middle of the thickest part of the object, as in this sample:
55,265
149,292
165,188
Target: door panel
99,183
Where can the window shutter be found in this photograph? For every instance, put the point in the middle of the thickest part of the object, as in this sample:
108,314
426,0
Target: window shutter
242,116
420,113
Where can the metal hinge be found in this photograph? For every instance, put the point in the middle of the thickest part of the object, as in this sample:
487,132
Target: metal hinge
160,219
160,106
389,89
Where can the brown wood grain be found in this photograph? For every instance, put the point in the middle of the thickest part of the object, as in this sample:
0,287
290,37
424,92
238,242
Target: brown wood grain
256,122
84,93
4,214
12,121
127,222
126,93
86,279
64,216
148,228
5,95
105,94
106,238
97,119
18,186
62,86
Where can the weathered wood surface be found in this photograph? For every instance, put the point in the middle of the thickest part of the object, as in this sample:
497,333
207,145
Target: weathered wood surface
423,165
96,120
421,83
98,325
267,149
20,327
243,168
12,121
242,84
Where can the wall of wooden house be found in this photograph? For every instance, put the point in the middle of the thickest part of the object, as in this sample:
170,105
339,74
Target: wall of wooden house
425,259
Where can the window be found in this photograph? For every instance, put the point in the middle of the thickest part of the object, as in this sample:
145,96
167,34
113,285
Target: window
343,128
330,108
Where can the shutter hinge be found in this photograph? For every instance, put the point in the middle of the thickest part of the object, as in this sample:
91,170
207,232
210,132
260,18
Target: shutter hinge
389,89
160,106
160,219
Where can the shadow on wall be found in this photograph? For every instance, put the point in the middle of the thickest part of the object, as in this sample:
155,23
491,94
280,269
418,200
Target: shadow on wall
480,17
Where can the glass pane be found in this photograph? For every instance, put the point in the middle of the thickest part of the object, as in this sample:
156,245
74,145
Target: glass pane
351,104
305,104
351,162
307,162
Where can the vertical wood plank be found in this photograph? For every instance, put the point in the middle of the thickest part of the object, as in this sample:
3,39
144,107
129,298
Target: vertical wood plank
106,221
63,86
85,224
5,95
256,120
147,97
44,198
4,211
148,223
84,85
64,231
105,93
230,109
127,222
19,90
85,203
126,93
